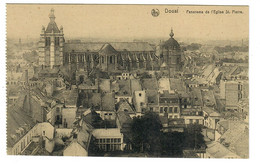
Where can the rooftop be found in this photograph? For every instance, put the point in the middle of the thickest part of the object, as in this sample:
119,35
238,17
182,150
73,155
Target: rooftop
107,133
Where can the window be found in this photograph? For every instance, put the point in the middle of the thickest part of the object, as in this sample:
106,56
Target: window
140,94
57,41
165,109
111,59
47,41
175,109
161,109
191,121
170,110
43,133
125,110
197,121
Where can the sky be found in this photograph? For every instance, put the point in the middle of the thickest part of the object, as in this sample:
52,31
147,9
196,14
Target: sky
128,21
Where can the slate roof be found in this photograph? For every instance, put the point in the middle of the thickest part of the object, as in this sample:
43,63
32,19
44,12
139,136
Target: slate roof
135,85
177,84
152,97
210,111
108,133
124,119
132,46
171,43
70,96
107,49
150,84
16,119
217,150
118,46
52,26
124,88
108,101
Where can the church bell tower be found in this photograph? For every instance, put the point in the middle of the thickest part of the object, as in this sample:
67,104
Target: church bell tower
51,44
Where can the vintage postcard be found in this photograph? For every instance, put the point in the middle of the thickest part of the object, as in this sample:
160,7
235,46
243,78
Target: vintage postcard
127,80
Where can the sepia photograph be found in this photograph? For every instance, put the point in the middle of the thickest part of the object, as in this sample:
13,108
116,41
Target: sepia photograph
164,81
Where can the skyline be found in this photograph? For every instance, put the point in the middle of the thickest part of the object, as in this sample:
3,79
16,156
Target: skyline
100,21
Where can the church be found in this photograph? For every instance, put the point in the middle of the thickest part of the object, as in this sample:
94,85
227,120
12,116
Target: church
114,56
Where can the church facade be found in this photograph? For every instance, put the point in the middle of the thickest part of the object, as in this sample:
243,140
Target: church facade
113,56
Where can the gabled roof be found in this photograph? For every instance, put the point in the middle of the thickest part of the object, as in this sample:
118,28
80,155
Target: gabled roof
117,46
132,46
217,150
16,119
107,49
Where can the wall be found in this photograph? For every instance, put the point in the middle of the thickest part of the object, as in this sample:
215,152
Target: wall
68,115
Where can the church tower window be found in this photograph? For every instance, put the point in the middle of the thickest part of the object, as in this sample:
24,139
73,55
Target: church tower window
57,41
47,41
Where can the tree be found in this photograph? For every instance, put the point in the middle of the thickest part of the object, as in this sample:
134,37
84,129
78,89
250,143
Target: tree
146,133
193,137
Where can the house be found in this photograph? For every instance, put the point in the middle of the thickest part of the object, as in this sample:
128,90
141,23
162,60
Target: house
177,85
125,106
89,85
235,136
68,117
110,139
19,133
164,85
80,137
124,91
79,144
22,132
149,84
208,98
217,150
211,117
152,100
140,102
107,109
169,105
